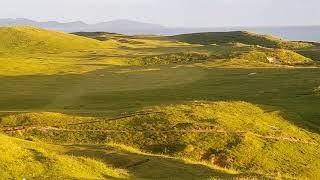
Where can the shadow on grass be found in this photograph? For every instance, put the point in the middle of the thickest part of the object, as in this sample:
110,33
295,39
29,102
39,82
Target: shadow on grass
289,91
143,166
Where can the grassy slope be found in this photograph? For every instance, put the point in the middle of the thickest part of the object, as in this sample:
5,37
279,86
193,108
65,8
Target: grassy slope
311,52
27,50
238,45
23,159
38,160
238,37
29,39
235,135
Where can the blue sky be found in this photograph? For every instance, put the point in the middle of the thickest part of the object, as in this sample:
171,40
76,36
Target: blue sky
173,13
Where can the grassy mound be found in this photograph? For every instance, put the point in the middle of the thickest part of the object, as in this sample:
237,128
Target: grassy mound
37,160
254,54
236,135
175,58
238,37
101,36
276,56
27,39
22,159
311,52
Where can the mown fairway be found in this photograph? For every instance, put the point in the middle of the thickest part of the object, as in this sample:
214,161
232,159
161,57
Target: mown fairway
152,107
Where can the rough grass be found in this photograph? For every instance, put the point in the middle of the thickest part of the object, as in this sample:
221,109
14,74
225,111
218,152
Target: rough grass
28,50
29,39
278,56
235,135
38,160
239,37
21,159
178,58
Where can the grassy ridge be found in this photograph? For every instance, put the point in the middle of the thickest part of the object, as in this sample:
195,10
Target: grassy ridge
38,160
238,37
23,159
221,133
29,39
27,51
225,45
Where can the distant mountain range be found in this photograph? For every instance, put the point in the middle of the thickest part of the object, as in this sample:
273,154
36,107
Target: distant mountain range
307,33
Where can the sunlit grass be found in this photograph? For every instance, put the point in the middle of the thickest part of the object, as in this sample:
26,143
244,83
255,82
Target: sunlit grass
21,159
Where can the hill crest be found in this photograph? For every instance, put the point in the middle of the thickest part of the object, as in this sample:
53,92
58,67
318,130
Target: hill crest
30,39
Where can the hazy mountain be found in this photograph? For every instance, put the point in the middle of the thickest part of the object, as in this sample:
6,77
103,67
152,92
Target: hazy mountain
118,26
308,33
68,27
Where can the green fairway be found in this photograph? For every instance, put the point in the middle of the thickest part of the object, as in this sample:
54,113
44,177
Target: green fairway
230,105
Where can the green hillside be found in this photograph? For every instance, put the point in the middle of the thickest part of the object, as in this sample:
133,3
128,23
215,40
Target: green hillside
38,160
22,159
260,50
238,37
29,39
256,56
233,135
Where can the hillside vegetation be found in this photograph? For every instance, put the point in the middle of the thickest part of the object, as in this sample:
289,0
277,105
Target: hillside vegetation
239,37
28,39
234,135
37,160
221,45
22,159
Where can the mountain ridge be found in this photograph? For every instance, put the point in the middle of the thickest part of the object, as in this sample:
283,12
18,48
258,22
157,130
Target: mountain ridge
124,26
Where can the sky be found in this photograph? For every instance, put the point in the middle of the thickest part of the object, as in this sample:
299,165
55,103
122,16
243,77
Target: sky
171,13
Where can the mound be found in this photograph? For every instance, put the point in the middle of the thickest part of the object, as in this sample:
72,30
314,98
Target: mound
176,58
275,56
236,135
101,36
22,159
29,39
238,37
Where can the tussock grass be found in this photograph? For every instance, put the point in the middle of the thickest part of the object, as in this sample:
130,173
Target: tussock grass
236,135
21,159
28,39
26,159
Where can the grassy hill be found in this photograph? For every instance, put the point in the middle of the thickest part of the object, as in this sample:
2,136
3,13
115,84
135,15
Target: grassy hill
256,56
238,37
233,135
29,39
22,159
260,50
38,160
